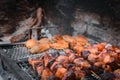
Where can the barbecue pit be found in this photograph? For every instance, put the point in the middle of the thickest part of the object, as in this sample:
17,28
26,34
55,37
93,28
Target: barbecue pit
96,20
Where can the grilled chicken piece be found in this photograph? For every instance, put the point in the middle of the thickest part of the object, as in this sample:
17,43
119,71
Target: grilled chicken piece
46,74
57,38
44,41
39,48
60,44
31,43
78,48
80,38
60,72
68,38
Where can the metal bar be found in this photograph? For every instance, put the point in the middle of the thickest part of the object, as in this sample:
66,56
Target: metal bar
10,44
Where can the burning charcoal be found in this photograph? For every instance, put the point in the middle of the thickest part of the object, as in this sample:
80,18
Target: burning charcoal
85,54
70,75
107,76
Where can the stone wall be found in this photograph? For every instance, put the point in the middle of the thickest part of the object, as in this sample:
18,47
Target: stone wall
97,19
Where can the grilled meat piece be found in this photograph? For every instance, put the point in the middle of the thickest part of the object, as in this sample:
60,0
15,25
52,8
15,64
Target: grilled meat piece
117,74
46,74
39,70
82,63
56,38
79,74
44,41
31,43
60,72
39,48
61,44
70,75
80,38
55,66
62,58
68,38
34,62
98,61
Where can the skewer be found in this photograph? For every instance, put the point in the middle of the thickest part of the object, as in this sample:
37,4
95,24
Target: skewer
95,75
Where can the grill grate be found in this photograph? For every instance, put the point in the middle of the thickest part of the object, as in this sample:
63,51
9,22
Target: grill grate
28,69
20,52
16,52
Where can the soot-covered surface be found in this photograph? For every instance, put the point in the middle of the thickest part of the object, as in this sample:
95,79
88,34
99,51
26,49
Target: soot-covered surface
89,17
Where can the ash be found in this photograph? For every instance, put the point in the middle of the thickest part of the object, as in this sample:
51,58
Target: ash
6,75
